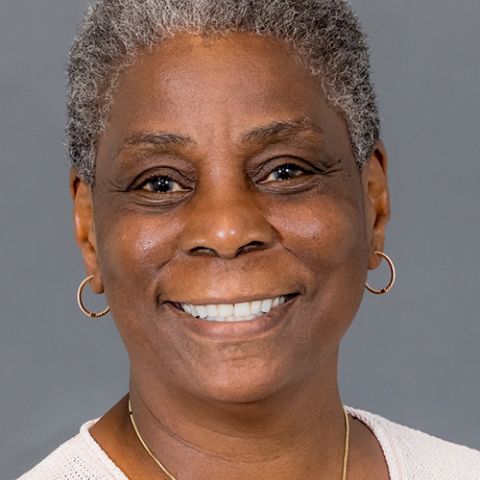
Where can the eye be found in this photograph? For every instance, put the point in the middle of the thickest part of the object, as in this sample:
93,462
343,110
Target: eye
161,184
285,172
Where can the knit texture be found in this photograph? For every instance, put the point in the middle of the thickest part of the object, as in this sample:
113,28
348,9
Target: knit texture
410,455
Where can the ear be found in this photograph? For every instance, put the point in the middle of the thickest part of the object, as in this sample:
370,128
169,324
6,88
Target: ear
377,202
84,228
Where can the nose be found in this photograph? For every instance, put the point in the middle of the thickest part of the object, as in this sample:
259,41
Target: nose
226,224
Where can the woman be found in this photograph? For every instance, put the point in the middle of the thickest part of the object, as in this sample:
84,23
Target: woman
230,196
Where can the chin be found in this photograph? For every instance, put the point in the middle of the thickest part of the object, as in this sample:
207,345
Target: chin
244,384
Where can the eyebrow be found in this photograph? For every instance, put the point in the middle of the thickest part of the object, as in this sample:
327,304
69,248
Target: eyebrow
273,132
281,130
161,139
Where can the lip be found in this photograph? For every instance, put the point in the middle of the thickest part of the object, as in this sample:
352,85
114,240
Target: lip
234,331
222,301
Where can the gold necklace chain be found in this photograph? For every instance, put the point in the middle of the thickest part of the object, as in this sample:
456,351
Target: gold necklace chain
171,477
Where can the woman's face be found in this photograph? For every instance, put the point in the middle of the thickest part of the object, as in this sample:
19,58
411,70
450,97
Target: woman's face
224,178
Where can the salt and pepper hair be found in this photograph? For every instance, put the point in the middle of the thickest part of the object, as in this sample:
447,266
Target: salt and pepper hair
325,33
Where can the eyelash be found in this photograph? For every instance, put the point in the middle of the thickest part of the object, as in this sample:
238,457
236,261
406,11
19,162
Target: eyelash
154,178
287,167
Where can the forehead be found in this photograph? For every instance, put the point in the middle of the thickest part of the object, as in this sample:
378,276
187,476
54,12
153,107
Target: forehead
216,88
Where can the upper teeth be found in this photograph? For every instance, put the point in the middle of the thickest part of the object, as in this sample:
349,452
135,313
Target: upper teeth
236,312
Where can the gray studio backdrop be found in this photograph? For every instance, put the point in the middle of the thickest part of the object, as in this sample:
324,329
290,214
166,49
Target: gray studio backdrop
412,356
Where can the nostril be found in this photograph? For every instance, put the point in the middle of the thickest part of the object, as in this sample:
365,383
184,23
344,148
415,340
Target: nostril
203,251
250,246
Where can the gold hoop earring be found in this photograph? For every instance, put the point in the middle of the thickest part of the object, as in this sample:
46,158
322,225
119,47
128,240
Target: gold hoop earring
393,276
84,309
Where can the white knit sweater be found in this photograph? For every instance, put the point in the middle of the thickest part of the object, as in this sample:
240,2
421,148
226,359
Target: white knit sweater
410,455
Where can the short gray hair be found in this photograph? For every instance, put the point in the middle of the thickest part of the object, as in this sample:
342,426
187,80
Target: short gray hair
326,34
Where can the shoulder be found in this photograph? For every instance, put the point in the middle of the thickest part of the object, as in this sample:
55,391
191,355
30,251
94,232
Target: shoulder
78,458
412,454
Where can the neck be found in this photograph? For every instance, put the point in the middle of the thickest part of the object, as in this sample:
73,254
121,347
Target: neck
298,431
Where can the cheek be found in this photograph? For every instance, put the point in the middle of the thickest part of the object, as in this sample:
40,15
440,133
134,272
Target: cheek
132,251
328,238
325,234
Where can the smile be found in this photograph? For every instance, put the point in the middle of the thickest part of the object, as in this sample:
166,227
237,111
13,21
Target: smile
233,312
